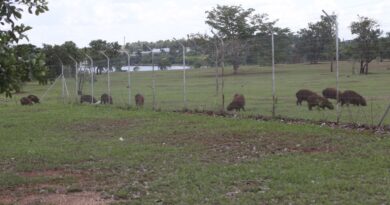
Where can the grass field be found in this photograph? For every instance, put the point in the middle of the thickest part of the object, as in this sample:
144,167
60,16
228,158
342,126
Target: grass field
55,154
254,82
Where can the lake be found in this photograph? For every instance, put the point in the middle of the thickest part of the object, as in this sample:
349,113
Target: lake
150,68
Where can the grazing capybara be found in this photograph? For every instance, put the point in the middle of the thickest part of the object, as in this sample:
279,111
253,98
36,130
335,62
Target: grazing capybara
25,101
139,100
331,93
33,98
237,104
303,94
319,101
87,99
352,97
106,99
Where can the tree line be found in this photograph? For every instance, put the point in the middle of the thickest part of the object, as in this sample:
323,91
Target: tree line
240,35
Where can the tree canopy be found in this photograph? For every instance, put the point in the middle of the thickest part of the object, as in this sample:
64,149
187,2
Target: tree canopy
16,63
367,40
239,28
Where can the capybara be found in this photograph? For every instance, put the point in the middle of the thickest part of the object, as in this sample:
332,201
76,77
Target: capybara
319,101
237,104
25,101
352,97
139,100
106,99
87,99
33,98
331,93
303,94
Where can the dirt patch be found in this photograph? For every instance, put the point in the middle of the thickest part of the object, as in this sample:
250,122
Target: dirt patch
235,147
84,198
81,190
47,173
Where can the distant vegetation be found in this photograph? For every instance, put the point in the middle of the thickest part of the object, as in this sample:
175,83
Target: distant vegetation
246,37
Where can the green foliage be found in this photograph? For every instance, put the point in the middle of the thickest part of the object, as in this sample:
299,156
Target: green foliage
13,69
197,61
111,49
367,40
384,47
234,26
317,41
164,63
242,31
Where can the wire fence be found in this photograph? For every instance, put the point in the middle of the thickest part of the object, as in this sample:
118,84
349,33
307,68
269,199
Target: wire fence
203,89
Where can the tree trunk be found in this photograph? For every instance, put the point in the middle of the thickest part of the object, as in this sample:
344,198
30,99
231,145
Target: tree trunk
353,67
361,67
235,68
331,65
366,68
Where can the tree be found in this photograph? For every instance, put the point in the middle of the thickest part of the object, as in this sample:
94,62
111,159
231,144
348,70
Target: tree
367,40
31,62
317,41
163,63
12,75
384,47
234,26
110,49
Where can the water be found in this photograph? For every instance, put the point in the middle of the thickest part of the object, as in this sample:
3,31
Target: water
150,68
141,68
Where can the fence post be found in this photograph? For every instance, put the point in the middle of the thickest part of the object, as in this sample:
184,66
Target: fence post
273,74
108,76
384,116
92,70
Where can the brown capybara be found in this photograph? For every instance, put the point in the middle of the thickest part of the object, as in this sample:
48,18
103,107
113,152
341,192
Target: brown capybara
87,99
352,97
331,93
319,101
25,101
33,98
106,99
237,104
303,94
139,100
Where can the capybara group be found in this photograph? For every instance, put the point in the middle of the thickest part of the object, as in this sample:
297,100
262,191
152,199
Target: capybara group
319,101
303,95
237,104
352,97
139,100
331,93
87,99
106,99
26,101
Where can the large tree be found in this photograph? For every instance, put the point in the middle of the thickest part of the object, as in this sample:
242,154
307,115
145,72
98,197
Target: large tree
57,54
384,47
234,25
316,42
110,49
12,74
367,40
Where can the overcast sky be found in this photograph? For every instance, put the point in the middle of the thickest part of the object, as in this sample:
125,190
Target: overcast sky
81,21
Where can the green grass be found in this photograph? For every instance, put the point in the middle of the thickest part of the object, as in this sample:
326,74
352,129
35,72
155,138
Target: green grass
252,81
170,158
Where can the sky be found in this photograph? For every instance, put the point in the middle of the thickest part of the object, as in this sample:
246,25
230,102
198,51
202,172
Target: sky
81,21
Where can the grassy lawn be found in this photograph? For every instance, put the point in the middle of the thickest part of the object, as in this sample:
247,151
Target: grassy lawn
252,81
53,154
